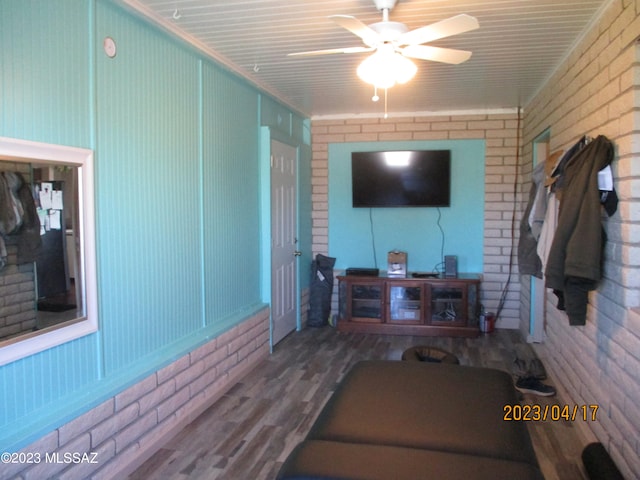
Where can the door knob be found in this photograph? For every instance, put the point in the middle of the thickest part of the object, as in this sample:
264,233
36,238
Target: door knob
297,253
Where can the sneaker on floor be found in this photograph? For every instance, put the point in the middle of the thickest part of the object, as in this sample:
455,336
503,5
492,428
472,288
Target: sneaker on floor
533,385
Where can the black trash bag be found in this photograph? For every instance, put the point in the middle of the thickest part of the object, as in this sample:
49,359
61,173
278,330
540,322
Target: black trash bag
321,291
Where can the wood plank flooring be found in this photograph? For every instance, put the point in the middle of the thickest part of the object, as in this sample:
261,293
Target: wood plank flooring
250,431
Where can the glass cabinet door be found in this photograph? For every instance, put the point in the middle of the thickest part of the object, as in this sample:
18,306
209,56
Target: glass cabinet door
405,303
365,302
448,305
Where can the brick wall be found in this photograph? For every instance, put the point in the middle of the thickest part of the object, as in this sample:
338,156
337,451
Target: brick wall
17,296
125,430
499,131
596,91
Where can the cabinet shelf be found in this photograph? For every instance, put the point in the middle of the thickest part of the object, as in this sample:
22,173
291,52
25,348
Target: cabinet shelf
409,306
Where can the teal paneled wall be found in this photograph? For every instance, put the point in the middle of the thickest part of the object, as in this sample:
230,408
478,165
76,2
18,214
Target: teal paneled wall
231,194
300,130
353,232
178,183
44,71
275,116
305,207
28,387
45,62
148,190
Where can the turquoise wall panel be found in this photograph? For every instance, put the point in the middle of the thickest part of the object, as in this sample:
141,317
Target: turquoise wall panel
45,96
301,133
148,190
305,210
300,130
231,194
34,383
354,232
178,180
44,75
275,116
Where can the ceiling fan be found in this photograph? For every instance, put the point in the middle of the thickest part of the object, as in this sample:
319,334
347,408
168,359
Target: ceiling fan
396,37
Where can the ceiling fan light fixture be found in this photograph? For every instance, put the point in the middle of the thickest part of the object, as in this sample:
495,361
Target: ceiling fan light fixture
385,68
405,68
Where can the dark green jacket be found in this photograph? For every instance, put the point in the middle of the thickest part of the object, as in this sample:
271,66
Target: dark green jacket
574,263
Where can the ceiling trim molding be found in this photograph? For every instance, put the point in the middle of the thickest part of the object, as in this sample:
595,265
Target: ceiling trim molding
443,113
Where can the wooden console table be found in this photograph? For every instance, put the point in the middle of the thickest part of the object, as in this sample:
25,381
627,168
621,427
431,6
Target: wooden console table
410,306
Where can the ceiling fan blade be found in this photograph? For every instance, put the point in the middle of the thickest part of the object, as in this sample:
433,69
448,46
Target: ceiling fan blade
331,51
436,54
368,35
445,28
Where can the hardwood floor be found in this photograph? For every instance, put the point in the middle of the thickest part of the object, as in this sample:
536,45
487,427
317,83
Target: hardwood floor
250,431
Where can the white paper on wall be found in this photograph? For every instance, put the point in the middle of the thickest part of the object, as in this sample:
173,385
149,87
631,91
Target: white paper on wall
45,195
54,220
56,199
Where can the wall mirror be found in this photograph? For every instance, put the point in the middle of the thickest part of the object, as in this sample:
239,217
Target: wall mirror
48,293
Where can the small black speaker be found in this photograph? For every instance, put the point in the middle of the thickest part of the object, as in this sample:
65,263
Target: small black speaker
450,266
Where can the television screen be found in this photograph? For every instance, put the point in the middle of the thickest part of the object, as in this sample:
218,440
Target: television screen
418,178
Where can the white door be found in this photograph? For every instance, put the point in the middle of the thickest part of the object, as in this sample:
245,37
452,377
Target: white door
284,254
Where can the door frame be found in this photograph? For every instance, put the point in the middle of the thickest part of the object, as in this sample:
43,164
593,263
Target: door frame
266,137
538,291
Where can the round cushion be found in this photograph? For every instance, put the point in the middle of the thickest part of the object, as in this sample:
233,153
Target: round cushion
429,354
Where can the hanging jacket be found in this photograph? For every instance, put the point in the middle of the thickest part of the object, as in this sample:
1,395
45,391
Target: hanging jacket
574,262
29,239
8,216
18,218
8,220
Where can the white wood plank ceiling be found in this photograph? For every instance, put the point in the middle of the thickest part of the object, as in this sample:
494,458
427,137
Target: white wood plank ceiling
517,47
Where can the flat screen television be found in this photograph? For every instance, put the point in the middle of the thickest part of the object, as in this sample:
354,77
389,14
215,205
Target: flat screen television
416,178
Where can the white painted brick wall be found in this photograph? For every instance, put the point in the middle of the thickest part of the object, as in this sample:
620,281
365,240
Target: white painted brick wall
499,132
597,91
129,427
